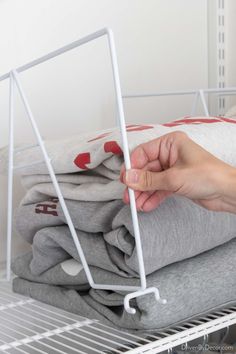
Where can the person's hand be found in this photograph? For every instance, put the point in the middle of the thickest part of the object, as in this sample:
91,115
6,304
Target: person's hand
175,164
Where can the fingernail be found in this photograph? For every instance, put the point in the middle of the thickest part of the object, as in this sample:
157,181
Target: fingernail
131,176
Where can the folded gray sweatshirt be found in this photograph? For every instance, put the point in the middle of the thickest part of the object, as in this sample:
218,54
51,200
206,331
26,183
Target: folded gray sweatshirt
176,230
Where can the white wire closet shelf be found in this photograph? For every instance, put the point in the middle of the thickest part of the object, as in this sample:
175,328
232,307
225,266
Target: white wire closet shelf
31,327
154,343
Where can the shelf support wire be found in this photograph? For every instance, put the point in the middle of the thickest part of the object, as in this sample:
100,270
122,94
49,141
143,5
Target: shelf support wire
198,93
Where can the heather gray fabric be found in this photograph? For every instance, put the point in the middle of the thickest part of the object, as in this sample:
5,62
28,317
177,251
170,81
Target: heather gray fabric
73,188
177,230
191,287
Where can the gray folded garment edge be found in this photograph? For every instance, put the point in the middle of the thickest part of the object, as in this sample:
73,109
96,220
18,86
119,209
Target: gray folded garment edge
192,287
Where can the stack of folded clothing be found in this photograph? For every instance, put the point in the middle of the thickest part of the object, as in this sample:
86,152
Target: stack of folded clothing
189,252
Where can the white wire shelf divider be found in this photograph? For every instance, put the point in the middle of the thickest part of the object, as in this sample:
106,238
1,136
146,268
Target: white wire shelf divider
15,82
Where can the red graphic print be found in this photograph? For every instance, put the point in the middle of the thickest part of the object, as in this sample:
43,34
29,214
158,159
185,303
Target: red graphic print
198,121
112,146
228,120
99,137
129,128
45,208
82,160
136,127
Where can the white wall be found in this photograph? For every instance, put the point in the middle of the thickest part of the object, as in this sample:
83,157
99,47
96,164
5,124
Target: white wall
161,45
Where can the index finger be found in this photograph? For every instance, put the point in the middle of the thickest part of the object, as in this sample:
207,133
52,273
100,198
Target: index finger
143,157
145,153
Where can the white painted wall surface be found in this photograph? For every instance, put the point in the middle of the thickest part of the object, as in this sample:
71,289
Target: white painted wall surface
230,48
161,45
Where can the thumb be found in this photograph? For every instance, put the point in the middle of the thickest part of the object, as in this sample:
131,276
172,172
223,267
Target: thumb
144,180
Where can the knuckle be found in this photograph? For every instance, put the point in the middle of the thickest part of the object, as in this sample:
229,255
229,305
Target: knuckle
147,180
180,135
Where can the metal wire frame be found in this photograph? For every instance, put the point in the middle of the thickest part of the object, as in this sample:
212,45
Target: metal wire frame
198,93
14,79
